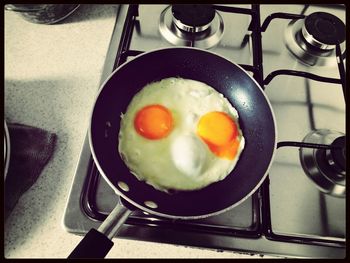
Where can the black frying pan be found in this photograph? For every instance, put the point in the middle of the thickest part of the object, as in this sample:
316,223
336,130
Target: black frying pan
256,120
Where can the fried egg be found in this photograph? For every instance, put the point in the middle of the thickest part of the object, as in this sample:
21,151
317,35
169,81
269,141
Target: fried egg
180,134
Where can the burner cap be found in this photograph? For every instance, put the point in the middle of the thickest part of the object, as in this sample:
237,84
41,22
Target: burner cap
177,33
337,155
193,18
323,30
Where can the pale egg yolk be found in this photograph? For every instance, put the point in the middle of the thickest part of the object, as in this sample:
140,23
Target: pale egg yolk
219,132
153,122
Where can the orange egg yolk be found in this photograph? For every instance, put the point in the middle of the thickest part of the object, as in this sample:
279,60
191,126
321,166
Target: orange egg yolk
153,122
219,132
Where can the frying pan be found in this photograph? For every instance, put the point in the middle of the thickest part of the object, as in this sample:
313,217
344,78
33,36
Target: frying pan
256,120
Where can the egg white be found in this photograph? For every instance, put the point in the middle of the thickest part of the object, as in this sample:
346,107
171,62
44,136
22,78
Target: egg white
153,160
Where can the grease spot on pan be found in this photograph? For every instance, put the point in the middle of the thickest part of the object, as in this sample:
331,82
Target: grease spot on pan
108,125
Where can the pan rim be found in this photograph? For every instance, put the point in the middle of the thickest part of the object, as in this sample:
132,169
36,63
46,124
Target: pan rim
7,149
143,208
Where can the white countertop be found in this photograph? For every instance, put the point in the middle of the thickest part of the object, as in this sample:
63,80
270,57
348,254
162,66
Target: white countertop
52,73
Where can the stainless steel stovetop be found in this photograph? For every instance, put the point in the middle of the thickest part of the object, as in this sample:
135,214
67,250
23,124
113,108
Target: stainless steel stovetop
289,215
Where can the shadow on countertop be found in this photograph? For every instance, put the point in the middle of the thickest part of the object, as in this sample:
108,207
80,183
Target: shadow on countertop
27,217
89,12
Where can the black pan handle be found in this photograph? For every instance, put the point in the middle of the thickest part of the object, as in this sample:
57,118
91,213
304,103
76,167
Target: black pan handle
93,245
97,243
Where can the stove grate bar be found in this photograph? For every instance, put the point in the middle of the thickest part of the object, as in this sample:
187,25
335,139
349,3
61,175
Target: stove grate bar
230,9
303,74
341,69
306,145
280,16
269,234
125,39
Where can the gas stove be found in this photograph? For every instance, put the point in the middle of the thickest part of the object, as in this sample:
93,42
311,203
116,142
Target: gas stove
296,53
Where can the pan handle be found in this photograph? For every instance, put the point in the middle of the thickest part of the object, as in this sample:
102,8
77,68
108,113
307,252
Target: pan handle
97,243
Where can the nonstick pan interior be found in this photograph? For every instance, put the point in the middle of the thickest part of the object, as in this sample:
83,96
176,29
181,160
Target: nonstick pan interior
255,119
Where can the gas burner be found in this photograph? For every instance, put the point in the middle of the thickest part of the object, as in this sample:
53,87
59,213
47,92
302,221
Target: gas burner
326,168
193,18
191,25
313,39
323,30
